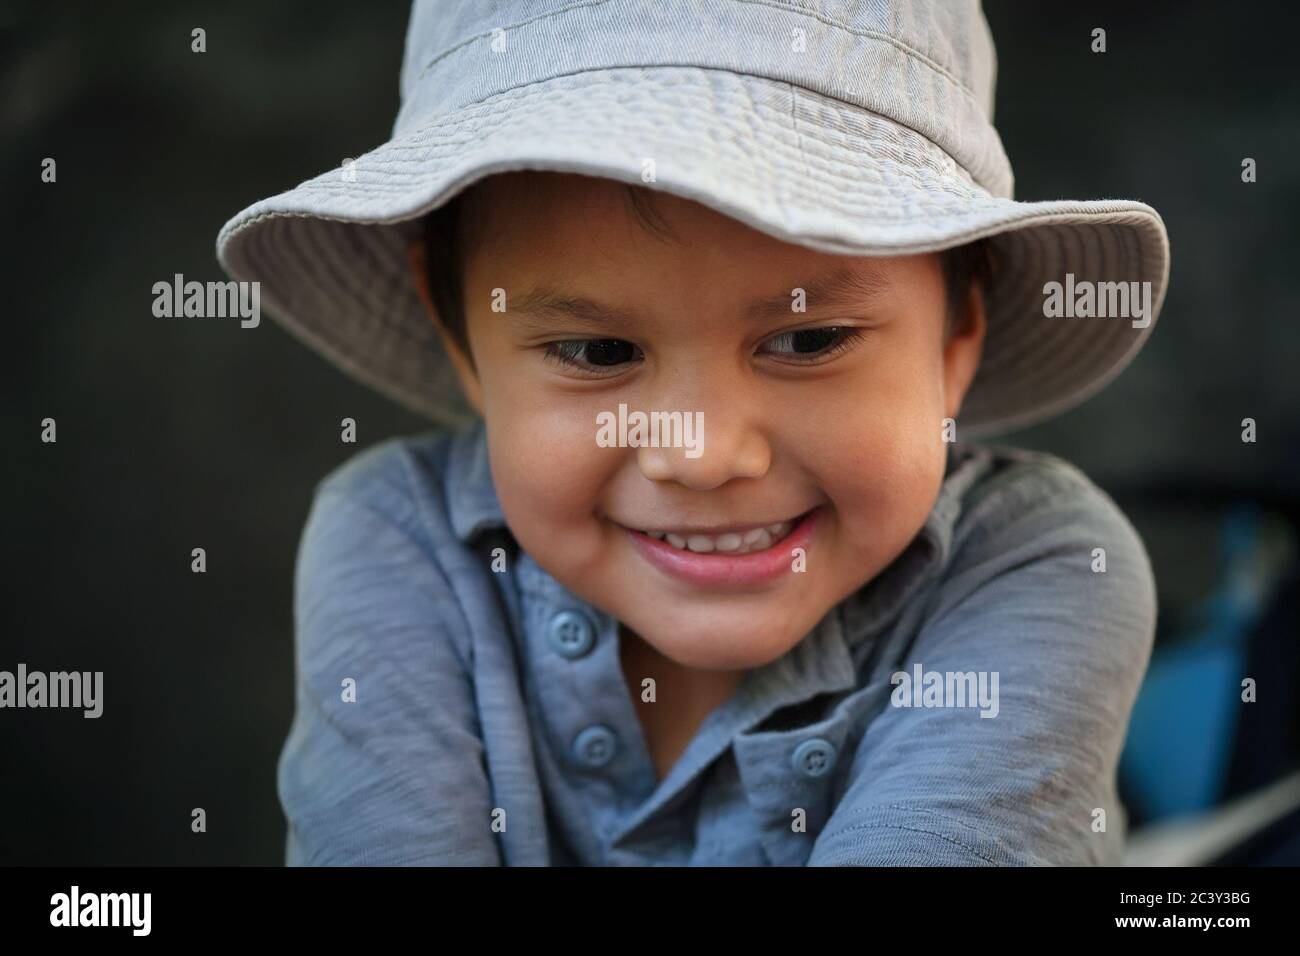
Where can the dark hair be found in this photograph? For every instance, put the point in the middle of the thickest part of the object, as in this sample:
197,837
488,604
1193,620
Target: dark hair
972,264
445,234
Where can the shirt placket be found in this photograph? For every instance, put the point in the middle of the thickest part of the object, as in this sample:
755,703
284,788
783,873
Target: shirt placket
581,706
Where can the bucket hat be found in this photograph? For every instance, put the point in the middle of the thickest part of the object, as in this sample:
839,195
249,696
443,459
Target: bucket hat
861,128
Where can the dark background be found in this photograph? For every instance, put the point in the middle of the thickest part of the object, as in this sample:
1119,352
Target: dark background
195,433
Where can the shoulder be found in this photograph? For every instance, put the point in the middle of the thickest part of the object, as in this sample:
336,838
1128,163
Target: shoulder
1015,488
403,479
1026,504
379,553
1040,553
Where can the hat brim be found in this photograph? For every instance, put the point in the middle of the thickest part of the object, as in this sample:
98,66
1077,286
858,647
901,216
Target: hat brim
331,254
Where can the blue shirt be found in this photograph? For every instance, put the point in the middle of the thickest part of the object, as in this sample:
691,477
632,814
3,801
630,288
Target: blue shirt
447,713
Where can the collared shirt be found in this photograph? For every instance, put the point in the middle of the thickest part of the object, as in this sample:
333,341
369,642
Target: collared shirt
457,705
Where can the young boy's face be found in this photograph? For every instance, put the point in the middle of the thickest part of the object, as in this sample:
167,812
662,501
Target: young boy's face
844,423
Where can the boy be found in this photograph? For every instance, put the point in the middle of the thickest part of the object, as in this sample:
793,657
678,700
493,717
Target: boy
777,615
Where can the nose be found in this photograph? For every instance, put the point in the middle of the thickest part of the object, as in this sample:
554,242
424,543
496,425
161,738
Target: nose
730,444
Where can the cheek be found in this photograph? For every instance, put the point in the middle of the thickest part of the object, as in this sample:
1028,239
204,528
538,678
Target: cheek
549,474
886,462
881,464
882,486
546,466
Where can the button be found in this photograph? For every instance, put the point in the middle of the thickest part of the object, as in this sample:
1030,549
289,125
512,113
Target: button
814,758
595,746
571,634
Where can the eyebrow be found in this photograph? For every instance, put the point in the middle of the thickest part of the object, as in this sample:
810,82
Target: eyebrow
843,287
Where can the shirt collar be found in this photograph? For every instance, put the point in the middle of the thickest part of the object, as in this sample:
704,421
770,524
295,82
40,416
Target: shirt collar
471,495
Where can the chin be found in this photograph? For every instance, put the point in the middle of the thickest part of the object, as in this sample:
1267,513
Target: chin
743,643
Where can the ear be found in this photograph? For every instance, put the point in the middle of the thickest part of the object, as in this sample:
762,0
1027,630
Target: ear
465,372
962,351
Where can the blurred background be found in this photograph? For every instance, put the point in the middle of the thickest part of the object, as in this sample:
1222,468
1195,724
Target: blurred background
175,435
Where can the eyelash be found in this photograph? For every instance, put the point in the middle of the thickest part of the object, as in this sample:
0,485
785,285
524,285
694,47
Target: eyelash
566,352
848,337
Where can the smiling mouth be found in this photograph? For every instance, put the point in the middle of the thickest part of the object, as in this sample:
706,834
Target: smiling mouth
733,543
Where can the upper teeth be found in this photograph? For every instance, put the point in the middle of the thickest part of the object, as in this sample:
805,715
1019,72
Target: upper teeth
758,539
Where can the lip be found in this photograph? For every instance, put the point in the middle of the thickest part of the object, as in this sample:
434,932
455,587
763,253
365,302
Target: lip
721,569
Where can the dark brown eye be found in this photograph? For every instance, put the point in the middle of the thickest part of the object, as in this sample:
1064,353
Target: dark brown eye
609,351
803,344
593,353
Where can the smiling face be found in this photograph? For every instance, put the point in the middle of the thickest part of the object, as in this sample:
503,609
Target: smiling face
821,427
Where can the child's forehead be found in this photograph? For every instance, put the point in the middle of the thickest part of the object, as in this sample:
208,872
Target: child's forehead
618,304
558,215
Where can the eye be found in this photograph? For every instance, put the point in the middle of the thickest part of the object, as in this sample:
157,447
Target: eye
593,354
808,346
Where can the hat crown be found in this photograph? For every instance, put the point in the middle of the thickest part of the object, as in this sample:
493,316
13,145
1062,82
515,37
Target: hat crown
929,65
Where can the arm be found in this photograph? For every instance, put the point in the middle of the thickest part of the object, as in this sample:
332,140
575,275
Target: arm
396,777
1070,646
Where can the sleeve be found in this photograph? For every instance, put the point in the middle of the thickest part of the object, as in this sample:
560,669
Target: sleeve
1022,602
395,776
